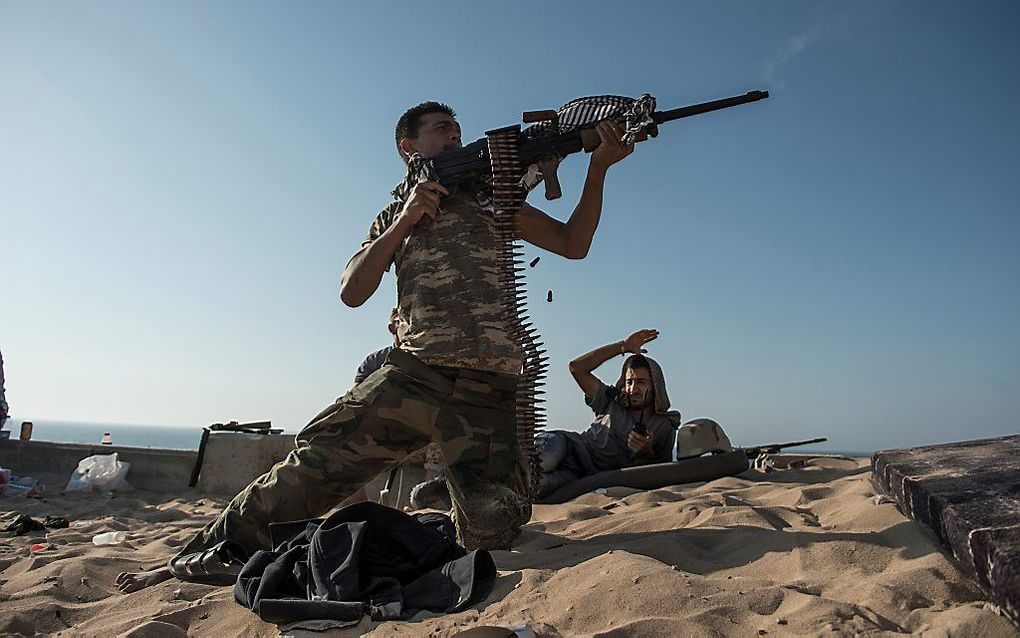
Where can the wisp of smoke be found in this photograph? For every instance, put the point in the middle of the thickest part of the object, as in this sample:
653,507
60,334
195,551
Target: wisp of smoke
793,47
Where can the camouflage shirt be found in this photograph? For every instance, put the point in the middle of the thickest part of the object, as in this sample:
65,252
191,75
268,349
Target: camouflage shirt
447,292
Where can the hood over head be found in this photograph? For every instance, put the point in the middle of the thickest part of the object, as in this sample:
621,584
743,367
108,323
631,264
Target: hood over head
658,383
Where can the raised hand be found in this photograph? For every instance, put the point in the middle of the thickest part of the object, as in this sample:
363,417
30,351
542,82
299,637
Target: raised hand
634,342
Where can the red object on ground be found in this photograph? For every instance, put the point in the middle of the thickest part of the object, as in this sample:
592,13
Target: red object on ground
38,547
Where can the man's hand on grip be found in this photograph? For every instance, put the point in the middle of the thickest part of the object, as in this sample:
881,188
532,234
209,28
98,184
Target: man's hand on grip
424,200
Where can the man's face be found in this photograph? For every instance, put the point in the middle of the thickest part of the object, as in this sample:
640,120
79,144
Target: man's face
637,384
437,133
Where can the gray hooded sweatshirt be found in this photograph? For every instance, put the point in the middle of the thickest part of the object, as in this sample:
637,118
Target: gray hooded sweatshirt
603,446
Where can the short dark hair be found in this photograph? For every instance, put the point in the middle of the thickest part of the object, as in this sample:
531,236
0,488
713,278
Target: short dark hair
410,122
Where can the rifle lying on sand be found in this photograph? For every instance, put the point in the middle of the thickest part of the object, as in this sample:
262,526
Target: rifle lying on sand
556,134
757,450
772,448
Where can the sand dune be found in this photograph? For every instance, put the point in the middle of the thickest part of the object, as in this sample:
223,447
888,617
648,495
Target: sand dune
803,551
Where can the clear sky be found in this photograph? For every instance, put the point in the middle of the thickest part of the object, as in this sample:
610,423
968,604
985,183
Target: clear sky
181,184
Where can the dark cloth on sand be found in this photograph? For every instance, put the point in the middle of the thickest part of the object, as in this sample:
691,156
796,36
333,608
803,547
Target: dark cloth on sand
365,558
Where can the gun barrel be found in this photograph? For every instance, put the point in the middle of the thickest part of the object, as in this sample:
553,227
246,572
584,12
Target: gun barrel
706,107
769,448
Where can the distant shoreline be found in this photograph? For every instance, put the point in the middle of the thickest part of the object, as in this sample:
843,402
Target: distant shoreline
177,437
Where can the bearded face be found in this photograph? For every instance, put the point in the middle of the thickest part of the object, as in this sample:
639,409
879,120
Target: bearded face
638,391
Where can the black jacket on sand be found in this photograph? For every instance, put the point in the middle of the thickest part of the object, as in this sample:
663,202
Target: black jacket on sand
363,559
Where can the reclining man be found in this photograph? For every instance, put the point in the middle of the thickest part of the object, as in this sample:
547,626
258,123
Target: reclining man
633,423
453,379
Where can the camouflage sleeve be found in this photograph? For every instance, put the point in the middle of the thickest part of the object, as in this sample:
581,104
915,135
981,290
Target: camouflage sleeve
382,221
599,402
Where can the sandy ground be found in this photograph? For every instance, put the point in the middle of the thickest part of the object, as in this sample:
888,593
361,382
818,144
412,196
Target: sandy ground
804,551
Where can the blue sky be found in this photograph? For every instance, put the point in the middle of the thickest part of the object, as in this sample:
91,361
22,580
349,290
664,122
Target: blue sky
182,183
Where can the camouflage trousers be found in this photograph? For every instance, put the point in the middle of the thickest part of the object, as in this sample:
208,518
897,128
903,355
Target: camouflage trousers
397,410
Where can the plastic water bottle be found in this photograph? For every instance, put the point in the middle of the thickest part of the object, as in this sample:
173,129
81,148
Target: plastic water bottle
109,538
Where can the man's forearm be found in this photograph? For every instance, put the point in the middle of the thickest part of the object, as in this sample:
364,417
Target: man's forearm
363,273
587,362
580,228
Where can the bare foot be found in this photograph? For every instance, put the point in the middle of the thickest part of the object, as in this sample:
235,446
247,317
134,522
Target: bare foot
128,582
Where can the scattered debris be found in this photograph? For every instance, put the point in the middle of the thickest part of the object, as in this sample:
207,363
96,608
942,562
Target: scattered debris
109,538
22,525
56,522
61,619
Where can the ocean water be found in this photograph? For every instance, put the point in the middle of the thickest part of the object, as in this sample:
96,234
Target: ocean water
188,437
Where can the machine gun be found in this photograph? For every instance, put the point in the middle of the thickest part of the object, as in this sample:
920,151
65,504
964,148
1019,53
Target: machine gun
556,134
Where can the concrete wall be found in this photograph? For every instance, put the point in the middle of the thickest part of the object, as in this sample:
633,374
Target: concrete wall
151,469
232,460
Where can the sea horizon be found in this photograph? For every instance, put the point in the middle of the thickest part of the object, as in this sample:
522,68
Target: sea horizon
188,437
